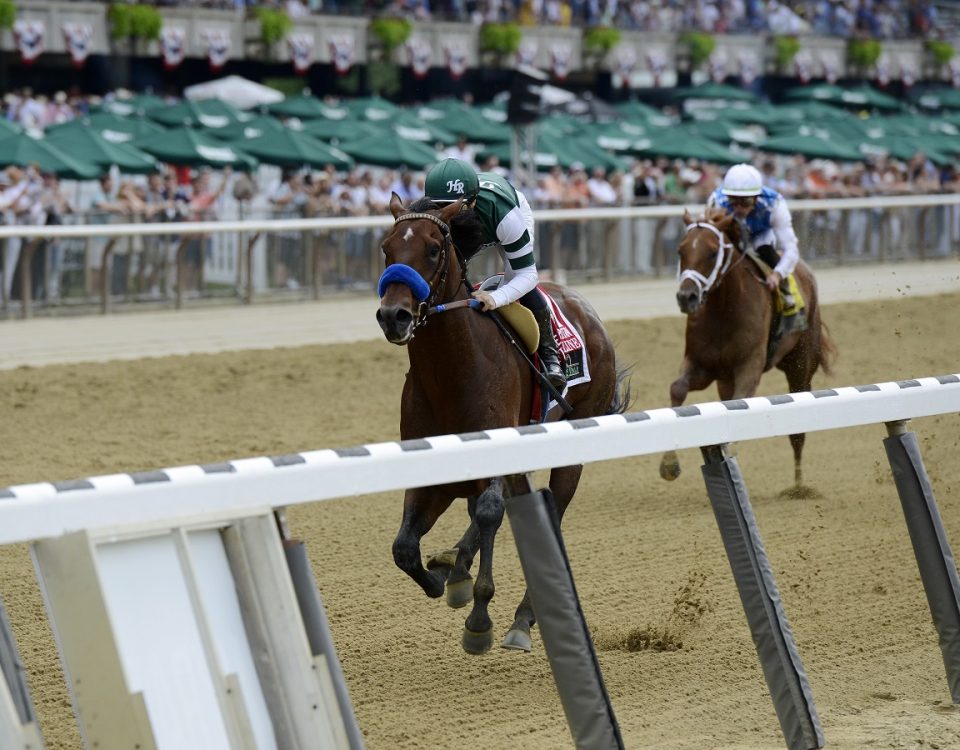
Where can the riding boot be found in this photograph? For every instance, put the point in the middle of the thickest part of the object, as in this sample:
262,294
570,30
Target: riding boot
549,354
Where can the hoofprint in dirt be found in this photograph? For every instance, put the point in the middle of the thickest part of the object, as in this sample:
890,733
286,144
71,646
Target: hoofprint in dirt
650,569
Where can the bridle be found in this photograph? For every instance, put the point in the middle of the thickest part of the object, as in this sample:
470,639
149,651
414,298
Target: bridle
721,266
437,282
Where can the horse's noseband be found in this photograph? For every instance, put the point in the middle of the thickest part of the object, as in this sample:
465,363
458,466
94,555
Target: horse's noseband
436,282
720,267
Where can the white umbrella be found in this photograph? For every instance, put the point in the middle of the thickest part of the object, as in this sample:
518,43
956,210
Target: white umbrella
234,90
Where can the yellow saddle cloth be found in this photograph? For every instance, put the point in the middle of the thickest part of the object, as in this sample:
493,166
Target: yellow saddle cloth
798,303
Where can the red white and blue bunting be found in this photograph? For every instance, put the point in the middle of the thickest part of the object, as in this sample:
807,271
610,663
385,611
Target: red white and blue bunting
527,53
419,53
560,57
455,52
300,45
76,37
29,37
218,47
341,53
657,63
624,63
173,47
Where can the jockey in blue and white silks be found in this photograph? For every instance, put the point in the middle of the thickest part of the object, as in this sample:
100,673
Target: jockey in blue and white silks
764,213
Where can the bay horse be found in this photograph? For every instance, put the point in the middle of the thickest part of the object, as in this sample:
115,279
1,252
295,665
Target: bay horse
466,377
730,314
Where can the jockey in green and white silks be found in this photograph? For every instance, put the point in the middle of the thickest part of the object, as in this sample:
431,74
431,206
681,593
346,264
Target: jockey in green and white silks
507,223
769,226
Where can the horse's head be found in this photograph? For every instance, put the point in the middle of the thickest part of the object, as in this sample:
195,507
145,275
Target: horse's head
705,251
418,254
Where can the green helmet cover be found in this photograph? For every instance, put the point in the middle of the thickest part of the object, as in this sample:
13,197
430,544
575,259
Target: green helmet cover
450,180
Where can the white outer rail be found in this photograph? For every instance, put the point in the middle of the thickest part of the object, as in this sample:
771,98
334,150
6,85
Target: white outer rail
362,222
122,503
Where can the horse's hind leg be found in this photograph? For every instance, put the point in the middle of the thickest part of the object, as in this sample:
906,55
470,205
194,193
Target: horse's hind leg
487,515
798,366
692,378
563,485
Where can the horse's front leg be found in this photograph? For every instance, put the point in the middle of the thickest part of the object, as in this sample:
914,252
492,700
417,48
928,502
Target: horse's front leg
563,484
692,378
421,509
487,515
455,564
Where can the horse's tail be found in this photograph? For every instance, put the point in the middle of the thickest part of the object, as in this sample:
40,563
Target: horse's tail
620,402
827,349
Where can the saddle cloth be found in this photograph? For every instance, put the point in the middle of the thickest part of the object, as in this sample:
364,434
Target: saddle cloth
569,342
798,302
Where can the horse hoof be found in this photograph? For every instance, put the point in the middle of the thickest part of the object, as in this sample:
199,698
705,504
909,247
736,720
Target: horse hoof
459,593
477,643
517,640
669,470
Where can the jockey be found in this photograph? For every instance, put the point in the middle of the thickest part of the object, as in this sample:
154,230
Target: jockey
763,214
505,220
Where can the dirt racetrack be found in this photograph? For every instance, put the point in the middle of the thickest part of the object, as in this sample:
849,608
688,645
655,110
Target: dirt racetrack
648,561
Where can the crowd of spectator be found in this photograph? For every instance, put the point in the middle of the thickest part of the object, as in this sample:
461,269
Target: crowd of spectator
881,19
28,196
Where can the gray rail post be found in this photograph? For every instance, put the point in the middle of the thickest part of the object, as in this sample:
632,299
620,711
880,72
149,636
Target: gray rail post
776,648
938,569
563,628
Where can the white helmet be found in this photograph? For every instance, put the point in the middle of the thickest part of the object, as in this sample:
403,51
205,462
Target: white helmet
742,179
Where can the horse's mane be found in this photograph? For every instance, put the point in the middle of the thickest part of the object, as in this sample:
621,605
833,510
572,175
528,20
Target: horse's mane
465,227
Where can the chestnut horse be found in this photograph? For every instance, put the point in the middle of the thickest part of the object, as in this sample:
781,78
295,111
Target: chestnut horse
730,317
465,377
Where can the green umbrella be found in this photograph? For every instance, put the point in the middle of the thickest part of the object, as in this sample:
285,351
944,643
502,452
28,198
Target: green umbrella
307,107
98,150
906,124
8,128
554,150
409,126
724,132
390,150
457,117
681,143
938,99
341,130
862,96
193,148
372,109
253,128
905,147
290,148
719,92
616,136
208,113
114,128
812,147
22,150
762,114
